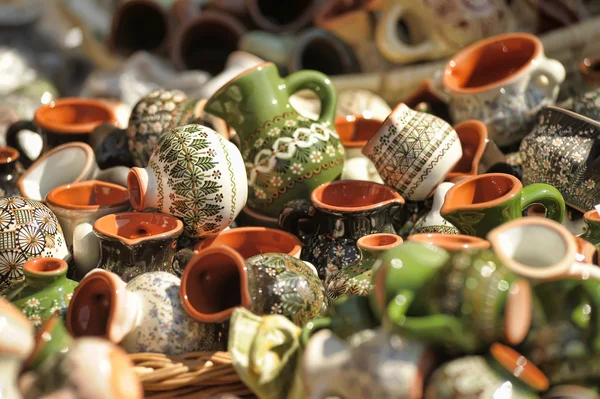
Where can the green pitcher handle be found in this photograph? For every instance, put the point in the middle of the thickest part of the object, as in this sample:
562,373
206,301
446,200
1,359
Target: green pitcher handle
321,85
312,327
546,195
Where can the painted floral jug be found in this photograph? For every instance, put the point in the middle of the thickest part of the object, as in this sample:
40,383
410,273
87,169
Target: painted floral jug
286,155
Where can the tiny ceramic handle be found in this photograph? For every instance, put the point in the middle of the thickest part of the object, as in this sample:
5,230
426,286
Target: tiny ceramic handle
86,249
321,85
293,212
553,70
547,196
389,43
12,139
313,327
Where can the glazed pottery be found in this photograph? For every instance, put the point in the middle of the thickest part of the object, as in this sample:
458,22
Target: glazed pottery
264,352
110,146
592,227
251,241
28,230
572,392
380,365
144,315
543,16
136,243
413,152
589,68
478,204
286,155
237,62
502,373
338,214
473,138
432,221
502,81
484,303
354,131
91,368
450,242
10,171
218,280
46,290
362,103
77,206
311,43
438,28
16,343
562,150
274,16
585,104
51,338
62,121
355,278
195,175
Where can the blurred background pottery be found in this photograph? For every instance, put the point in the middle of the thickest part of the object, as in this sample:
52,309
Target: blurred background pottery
592,227
271,47
450,242
51,338
362,103
77,206
10,171
432,221
589,68
354,131
137,243
274,16
237,62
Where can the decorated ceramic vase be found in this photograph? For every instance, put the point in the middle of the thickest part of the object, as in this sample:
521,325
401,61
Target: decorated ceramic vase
144,315
503,373
10,171
592,227
218,280
46,291
16,344
338,214
286,155
432,221
195,175
28,229
355,278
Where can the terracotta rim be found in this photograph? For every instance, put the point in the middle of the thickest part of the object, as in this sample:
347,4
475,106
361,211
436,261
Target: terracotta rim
355,120
89,152
85,127
559,269
585,67
8,155
50,267
592,216
450,242
396,198
465,52
53,201
137,190
449,206
479,128
517,365
382,241
223,315
174,232
291,239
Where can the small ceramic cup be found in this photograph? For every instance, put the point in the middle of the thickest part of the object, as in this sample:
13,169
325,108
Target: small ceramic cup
354,132
478,204
77,206
62,121
502,81
413,152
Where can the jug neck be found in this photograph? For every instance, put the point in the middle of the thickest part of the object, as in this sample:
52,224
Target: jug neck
42,272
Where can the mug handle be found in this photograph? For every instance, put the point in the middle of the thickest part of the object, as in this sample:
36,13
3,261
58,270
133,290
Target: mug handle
552,70
394,49
312,327
293,212
319,84
546,195
12,139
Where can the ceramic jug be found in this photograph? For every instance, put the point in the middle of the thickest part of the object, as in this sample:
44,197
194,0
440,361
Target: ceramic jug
432,221
144,315
10,171
592,227
135,243
218,280
339,213
286,155
355,278
195,175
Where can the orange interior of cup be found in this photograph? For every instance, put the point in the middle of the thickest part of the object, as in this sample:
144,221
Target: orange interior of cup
355,131
89,194
353,195
74,115
130,226
251,241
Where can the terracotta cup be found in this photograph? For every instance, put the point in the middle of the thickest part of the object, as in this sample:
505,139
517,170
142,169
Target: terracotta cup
478,204
279,16
77,206
62,121
251,241
450,242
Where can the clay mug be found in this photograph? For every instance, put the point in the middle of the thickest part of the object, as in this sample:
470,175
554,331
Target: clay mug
502,81
77,206
61,121
354,132
480,203
438,28
413,152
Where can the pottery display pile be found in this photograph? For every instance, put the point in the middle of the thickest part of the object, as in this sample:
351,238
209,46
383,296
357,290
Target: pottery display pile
329,244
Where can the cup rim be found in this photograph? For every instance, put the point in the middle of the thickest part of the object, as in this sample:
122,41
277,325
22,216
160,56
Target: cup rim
465,52
75,128
12,157
51,196
396,197
447,242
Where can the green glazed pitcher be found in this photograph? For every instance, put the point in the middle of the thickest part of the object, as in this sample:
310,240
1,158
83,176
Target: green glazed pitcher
286,154
478,204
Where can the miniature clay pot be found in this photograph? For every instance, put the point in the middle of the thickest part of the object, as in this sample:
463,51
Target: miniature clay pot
592,227
218,280
195,175
136,243
450,242
354,132
29,230
10,171
144,315
77,206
